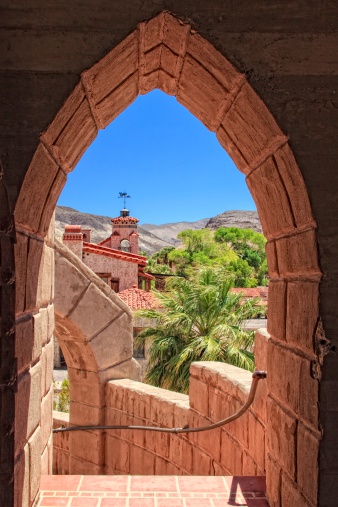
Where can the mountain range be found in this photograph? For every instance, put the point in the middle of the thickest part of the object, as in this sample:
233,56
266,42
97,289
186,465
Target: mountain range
152,237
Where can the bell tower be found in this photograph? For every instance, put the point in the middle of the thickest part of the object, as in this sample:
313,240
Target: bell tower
124,234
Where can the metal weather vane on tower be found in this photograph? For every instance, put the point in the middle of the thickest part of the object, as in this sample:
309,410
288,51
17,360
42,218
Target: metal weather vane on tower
124,196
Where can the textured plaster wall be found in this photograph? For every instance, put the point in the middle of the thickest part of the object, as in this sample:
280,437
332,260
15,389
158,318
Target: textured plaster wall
287,53
126,272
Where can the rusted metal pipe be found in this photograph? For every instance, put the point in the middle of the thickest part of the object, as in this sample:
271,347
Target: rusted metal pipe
256,376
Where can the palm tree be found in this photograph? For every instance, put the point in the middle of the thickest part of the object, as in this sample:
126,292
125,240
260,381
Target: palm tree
200,320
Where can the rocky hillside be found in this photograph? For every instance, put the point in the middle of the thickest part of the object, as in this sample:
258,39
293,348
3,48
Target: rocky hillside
241,219
152,237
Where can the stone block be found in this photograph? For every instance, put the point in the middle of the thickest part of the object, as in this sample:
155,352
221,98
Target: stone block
118,100
22,479
249,466
273,481
261,349
34,444
112,70
117,454
308,394
51,321
291,494
44,461
152,60
79,380
297,255
27,406
93,311
302,313
164,467
271,255
114,344
142,462
78,466
307,463
251,125
231,454
180,452
200,93
277,309
294,185
50,455
210,442
35,252
20,253
46,418
181,413
128,370
49,355
269,194
89,446
69,285
157,443
37,183
282,437
231,148
83,414
199,396
162,410
45,277
27,344
256,442
213,61
43,325
284,375
201,462
53,195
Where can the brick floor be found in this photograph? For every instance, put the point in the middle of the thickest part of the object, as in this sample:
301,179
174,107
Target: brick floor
151,491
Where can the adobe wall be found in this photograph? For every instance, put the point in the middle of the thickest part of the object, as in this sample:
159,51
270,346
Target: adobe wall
126,272
217,390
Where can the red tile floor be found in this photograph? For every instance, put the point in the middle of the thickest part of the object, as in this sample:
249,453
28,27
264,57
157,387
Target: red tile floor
151,491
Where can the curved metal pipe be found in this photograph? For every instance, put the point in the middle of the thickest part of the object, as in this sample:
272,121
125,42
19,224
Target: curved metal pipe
256,376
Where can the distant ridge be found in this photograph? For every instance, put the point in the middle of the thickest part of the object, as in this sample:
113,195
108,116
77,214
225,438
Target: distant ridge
152,237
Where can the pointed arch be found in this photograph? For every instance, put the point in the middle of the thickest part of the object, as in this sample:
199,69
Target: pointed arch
166,53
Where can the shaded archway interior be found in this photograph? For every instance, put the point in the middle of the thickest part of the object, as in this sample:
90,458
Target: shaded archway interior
165,53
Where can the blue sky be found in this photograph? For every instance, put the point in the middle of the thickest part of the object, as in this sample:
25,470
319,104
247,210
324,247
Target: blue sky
173,168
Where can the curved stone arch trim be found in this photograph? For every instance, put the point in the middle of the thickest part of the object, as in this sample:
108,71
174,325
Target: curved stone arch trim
166,53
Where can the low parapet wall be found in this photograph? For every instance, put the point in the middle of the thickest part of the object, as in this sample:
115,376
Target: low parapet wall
217,390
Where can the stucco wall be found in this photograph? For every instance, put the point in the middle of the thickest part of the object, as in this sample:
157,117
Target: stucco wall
126,272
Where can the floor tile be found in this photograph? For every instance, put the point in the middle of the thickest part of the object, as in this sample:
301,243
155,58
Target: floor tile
60,482
206,484
104,483
153,483
83,501
54,501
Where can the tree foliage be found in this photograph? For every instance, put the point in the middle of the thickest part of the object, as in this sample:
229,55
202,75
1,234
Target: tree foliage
239,253
200,320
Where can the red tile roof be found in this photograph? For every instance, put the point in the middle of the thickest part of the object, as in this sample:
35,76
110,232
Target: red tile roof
253,292
115,254
137,298
125,220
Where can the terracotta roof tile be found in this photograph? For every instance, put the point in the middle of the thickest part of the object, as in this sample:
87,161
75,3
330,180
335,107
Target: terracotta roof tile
137,298
115,254
125,220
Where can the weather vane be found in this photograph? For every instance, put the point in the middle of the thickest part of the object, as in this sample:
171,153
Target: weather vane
124,196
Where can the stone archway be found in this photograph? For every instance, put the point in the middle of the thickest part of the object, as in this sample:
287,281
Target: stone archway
165,53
